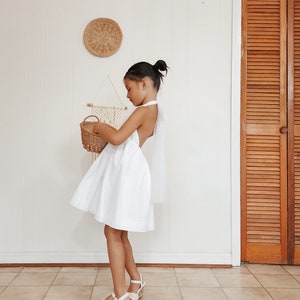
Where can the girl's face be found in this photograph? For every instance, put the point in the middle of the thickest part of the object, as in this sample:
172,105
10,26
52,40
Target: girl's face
135,91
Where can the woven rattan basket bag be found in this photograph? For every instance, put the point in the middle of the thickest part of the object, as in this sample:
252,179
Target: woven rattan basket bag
90,141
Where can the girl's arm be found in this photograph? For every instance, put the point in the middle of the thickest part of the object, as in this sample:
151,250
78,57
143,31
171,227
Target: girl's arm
118,136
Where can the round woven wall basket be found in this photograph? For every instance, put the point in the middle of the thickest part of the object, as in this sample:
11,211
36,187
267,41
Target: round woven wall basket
102,37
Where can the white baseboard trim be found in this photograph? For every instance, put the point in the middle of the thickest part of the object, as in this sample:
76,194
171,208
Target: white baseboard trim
97,257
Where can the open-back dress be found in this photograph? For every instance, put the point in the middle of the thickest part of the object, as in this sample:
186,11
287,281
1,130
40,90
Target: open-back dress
117,187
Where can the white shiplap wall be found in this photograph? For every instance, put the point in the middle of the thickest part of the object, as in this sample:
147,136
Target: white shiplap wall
47,78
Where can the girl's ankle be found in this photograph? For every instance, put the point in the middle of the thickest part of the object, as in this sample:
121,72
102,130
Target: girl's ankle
136,276
133,287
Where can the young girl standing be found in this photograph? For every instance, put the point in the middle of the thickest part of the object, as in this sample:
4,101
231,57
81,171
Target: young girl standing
117,187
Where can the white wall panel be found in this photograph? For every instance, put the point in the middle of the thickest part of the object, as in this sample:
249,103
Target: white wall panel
47,78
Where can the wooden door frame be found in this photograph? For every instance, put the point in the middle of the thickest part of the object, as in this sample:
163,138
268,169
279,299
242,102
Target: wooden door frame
283,124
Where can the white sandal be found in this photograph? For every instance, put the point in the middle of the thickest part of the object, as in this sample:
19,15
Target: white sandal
140,292
125,296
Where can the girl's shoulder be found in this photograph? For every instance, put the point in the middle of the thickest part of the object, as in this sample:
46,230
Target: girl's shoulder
146,111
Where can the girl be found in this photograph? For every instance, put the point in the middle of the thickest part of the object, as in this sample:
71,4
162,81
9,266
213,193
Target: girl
117,187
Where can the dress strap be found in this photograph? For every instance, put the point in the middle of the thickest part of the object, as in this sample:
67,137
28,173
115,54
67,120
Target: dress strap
152,102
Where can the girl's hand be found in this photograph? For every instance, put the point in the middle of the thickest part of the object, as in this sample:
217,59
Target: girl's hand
105,131
91,148
97,128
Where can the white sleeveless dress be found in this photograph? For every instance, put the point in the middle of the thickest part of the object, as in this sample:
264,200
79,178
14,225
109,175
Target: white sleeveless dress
117,187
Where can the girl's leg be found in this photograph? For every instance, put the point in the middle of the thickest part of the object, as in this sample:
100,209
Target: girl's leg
130,264
116,254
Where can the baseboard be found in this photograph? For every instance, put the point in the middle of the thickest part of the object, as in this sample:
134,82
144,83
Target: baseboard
106,265
101,258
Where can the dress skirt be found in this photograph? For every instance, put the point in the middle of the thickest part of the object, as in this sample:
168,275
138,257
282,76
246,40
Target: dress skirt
117,188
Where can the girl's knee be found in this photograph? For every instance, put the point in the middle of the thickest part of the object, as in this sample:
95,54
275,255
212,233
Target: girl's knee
124,236
112,232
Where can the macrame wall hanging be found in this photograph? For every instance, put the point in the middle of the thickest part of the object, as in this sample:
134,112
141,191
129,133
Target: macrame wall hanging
111,115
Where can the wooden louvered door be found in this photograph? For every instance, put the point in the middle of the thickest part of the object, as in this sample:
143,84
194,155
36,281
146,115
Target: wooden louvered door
270,131
263,131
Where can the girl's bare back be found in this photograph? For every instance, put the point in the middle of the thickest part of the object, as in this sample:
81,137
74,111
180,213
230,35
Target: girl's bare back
146,129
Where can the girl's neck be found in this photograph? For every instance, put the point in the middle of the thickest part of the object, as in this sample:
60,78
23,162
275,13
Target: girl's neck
148,100
151,96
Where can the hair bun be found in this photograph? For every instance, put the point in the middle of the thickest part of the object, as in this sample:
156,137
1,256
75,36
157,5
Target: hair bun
161,65
144,69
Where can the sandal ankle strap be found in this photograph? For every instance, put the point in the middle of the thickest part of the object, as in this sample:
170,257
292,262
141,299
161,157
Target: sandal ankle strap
138,281
126,295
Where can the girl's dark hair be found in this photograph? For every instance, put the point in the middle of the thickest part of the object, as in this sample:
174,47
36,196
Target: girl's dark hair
143,69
